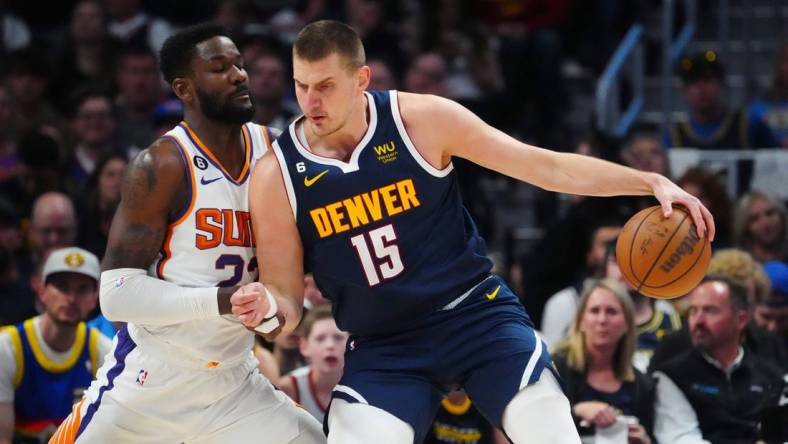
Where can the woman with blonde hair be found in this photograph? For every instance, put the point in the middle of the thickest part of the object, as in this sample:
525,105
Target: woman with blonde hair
595,361
760,227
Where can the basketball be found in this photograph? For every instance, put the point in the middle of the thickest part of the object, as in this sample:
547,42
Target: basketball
662,258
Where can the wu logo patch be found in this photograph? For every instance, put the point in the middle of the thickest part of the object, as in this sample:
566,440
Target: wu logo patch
387,152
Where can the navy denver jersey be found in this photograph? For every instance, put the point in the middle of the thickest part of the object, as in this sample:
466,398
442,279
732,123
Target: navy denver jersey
385,234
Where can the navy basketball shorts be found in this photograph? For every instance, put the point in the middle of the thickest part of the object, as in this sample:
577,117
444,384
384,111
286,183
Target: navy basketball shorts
484,343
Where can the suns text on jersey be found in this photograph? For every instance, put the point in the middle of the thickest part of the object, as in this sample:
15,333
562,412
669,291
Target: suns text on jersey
231,228
365,208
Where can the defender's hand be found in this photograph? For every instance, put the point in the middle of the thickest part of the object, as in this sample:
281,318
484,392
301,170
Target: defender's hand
252,303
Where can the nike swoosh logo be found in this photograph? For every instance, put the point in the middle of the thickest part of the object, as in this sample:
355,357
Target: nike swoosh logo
309,182
492,295
206,182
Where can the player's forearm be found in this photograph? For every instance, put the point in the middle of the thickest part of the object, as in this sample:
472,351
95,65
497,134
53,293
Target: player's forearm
130,295
584,175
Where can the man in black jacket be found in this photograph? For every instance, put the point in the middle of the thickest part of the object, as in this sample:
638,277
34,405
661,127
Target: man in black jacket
717,390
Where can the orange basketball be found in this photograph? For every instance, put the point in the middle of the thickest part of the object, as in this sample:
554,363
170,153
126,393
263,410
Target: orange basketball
662,258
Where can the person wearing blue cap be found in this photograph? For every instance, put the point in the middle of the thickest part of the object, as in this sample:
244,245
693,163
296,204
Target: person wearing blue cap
772,314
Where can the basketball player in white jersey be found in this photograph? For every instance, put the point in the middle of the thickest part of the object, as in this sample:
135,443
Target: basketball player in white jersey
323,345
182,370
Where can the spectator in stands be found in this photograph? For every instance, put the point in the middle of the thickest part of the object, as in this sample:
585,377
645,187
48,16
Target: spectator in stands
772,313
88,58
167,114
645,153
103,197
653,318
530,51
716,390
17,301
560,309
375,21
9,159
139,91
454,30
27,78
47,361
53,225
427,75
14,33
596,363
39,158
708,187
269,86
740,266
131,25
323,345
383,77
458,421
773,107
711,125
93,128
760,227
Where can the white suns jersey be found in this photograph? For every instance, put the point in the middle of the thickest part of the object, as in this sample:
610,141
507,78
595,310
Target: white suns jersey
210,244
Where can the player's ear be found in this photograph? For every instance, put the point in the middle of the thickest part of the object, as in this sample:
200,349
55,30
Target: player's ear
182,87
364,74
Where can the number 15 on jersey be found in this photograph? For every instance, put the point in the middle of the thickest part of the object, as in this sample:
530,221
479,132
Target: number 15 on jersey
386,262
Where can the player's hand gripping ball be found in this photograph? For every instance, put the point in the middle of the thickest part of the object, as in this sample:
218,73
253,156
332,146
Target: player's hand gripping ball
662,257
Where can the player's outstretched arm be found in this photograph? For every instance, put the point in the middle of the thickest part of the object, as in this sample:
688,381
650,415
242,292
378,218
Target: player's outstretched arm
443,128
279,253
154,187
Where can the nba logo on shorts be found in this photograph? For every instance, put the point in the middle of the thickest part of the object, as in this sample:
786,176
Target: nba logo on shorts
352,345
142,376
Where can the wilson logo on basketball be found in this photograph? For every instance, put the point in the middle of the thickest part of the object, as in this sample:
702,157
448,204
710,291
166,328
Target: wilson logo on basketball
686,247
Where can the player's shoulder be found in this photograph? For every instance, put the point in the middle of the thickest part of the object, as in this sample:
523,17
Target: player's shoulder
164,155
431,112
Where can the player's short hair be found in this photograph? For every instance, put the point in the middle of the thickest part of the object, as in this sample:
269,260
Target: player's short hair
178,50
325,37
312,316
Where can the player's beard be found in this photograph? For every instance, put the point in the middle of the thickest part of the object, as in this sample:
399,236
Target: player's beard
225,110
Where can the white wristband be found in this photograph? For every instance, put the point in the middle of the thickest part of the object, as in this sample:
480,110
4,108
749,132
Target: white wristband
270,321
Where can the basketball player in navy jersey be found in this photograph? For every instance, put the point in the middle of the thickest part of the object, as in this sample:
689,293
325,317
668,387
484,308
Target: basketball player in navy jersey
181,369
361,190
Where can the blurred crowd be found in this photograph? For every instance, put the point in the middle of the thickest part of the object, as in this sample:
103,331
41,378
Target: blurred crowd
81,95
